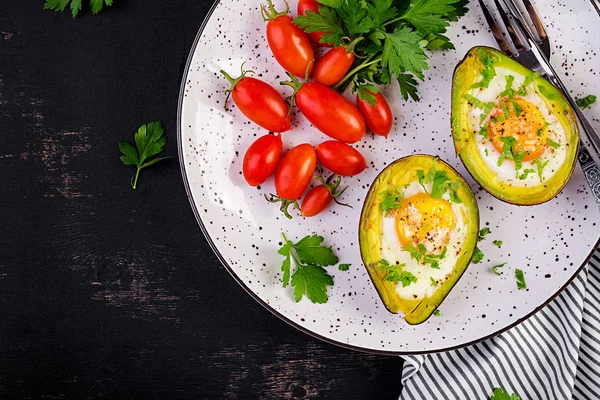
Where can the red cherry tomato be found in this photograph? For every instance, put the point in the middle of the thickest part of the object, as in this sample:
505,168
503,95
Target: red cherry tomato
261,159
312,5
340,158
290,45
332,67
293,174
316,200
260,102
379,118
330,112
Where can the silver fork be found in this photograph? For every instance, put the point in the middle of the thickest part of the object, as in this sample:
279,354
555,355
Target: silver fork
534,52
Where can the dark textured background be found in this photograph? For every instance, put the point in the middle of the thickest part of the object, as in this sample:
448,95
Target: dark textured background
107,292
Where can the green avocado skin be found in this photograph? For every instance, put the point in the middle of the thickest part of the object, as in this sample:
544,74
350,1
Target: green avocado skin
465,75
395,175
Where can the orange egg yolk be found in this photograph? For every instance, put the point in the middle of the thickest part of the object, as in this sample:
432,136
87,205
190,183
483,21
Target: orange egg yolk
528,129
424,220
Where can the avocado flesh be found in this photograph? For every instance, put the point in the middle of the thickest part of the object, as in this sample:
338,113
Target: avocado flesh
396,175
465,75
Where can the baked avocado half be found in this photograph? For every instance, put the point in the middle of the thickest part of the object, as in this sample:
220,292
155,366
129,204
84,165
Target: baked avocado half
515,132
418,231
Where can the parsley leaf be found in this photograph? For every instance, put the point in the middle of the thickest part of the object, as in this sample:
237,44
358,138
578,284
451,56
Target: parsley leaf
546,93
344,267
311,281
310,278
408,86
327,20
483,233
150,141
437,312
517,108
353,13
501,394
552,143
402,52
381,11
586,101
477,256
427,15
498,243
433,281
495,268
76,5
520,279
509,151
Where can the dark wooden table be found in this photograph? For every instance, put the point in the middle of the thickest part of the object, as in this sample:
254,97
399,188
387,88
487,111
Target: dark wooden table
110,292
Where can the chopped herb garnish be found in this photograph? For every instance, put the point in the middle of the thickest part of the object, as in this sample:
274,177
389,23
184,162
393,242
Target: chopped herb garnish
546,125
488,73
484,132
495,268
395,273
437,312
509,151
505,110
526,173
344,267
540,167
475,101
498,243
509,91
477,256
586,101
483,233
420,254
546,93
440,183
486,152
392,200
528,81
433,281
552,143
520,279
517,108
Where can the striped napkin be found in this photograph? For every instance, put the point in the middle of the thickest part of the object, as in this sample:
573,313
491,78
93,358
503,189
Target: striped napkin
555,354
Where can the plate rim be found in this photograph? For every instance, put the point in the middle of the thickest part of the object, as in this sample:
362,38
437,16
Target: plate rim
260,301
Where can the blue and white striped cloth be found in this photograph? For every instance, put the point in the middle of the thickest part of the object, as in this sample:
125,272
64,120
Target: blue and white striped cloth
553,355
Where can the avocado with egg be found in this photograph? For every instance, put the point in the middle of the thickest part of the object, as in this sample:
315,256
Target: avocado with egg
418,231
515,132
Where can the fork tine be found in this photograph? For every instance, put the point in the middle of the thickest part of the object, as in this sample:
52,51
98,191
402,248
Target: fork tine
510,27
504,47
535,18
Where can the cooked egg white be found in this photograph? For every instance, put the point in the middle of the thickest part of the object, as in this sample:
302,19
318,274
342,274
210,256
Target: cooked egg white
535,109
450,232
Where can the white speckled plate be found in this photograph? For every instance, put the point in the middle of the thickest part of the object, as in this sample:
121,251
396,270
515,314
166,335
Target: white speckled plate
550,242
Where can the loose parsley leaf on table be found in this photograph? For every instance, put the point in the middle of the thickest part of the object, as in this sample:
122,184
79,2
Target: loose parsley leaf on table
344,267
310,278
483,233
437,312
520,279
150,141
477,256
498,243
76,5
586,101
495,268
501,394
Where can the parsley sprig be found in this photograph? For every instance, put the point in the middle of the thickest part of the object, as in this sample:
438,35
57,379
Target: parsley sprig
150,141
392,37
76,5
309,257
